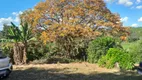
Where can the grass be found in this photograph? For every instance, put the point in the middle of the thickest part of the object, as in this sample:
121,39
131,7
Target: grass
72,71
128,45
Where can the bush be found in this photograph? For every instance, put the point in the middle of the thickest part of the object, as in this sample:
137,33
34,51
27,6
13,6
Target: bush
7,48
115,55
99,47
72,47
36,50
133,37
135,34
136,51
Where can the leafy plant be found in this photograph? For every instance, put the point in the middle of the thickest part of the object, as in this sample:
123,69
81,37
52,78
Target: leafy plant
115,55
98,48
71,47
20,36
135,51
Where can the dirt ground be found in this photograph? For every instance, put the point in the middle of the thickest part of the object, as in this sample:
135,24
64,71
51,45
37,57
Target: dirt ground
72,71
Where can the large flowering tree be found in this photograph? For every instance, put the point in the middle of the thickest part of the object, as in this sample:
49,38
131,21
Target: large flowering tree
65,21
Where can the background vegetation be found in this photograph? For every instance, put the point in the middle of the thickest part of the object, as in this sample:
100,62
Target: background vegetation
72,30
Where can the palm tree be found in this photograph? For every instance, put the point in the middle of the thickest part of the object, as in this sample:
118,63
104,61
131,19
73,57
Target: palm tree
20,36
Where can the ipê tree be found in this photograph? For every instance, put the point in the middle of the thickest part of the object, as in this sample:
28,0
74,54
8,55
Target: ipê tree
72,22
20,36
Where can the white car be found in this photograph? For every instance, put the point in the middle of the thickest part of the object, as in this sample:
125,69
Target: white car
5,66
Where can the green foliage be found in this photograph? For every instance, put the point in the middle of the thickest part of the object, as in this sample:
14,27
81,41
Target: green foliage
71,47
22,33
14,33
36,50
99,47
133,37
1,35
7,48
52,48
136,51
115,55
128,45
135,34
4,32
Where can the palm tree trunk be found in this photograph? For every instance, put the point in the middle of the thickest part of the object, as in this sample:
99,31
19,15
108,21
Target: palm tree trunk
18,53
25,53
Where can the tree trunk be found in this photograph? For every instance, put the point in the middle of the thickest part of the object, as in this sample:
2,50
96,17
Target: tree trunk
18,53
25,53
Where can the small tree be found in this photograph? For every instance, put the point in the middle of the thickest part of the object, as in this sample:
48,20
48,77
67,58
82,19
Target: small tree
20,36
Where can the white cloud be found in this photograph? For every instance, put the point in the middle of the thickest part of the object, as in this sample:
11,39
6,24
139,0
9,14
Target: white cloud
5,21
132,7
138,1
125,2
17,19
134,25
129,3
17,13
139,7
140,19
14,19
125,19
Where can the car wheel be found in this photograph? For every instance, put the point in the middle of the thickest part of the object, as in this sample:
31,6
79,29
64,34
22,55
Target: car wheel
8,72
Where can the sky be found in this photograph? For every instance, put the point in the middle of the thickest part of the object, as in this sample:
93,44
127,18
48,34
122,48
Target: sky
10,10
130,10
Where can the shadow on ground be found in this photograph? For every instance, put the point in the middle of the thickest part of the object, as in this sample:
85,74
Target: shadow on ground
64,74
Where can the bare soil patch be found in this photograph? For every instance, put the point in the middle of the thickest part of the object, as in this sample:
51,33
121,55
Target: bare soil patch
71,71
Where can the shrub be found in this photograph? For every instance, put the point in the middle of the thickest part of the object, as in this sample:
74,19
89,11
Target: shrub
7,48
99,47
135,34
72,47
133,37
136,51
52,48
115,55
36,50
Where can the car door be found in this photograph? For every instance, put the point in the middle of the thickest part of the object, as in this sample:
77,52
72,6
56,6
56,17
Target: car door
4,61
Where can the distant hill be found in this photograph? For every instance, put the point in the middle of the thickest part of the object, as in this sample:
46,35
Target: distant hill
136,29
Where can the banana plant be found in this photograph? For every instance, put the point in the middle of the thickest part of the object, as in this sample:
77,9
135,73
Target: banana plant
26,34
13,33
21,34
